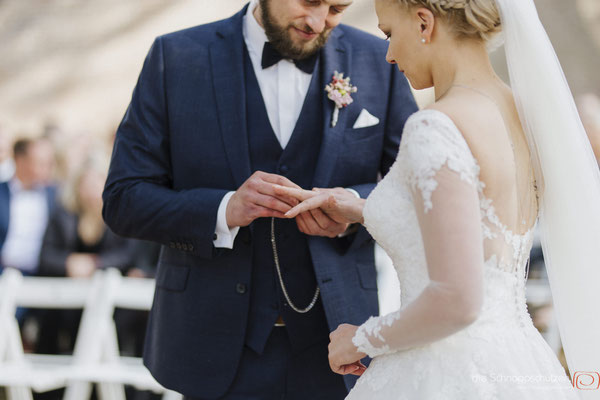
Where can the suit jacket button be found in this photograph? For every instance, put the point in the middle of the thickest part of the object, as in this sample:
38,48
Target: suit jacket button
215,237
284,169
240,288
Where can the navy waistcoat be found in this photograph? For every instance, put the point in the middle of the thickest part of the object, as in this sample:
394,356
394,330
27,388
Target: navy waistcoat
298,163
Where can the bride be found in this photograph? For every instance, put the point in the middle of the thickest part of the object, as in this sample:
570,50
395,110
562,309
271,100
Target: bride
456,213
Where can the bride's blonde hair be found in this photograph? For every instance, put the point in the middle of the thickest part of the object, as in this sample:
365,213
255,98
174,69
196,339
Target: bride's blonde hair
477,19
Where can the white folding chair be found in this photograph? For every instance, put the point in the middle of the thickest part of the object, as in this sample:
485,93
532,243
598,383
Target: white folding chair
96,356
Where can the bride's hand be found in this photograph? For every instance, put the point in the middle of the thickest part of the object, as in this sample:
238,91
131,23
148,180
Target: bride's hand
339,204
344,357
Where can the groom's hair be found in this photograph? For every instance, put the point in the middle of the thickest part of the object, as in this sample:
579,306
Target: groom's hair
280,39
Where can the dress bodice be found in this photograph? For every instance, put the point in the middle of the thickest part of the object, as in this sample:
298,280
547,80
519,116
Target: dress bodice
431,141
477,361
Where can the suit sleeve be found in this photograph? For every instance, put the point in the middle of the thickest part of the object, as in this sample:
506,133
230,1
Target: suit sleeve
139,199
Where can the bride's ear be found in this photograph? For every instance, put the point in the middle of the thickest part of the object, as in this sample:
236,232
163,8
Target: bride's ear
426,22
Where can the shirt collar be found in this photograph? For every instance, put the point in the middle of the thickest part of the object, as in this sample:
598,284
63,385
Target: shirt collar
16,186
254,35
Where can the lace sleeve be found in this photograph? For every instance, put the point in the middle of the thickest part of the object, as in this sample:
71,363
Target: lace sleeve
443,175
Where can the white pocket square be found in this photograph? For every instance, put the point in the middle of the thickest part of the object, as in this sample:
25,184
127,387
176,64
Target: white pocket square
365,119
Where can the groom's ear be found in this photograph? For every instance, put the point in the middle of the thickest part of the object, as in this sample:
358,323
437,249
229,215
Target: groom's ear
426,22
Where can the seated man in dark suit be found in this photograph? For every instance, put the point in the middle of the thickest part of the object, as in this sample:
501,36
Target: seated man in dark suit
26,202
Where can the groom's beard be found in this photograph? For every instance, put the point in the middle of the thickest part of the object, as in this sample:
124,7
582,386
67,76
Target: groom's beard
280,37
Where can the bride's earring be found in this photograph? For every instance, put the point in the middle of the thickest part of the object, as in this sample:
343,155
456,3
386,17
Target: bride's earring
423,40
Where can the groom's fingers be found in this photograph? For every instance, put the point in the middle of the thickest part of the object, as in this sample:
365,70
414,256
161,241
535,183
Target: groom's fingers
312,228
279,180
271,203
322,219
269,190
263,212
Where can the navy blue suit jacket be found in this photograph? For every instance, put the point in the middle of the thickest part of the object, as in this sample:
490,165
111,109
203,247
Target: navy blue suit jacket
182,145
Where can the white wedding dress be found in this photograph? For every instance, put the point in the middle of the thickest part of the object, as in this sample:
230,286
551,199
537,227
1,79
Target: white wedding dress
500,355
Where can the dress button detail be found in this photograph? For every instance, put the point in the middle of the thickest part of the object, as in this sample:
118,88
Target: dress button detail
240,288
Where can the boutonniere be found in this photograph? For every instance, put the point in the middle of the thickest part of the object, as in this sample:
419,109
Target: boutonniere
339,91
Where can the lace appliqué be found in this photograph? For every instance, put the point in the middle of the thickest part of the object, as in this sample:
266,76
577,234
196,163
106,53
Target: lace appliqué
428,145
371,329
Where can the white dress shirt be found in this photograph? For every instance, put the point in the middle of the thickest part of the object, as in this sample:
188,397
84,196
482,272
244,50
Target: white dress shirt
27,224
7,170
284,87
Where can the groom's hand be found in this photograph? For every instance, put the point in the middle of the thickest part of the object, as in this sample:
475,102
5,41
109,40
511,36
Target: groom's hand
256,199
317,223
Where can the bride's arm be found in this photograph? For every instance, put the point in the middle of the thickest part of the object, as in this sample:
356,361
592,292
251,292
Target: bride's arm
449,220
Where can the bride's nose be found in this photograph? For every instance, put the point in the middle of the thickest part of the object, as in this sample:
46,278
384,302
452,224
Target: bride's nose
389,58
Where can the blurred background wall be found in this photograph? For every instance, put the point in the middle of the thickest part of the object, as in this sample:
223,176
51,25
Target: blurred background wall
74,63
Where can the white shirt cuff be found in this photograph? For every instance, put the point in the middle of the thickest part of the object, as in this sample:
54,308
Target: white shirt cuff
224,237
352,227
353,192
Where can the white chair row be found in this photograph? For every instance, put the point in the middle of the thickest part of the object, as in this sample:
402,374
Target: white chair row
96,356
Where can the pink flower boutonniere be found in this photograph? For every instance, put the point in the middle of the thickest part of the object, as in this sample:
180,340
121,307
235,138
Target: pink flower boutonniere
339,91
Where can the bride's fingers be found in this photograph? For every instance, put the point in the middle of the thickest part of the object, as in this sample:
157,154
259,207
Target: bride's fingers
356,368
332,203
306,205
353,369
297,193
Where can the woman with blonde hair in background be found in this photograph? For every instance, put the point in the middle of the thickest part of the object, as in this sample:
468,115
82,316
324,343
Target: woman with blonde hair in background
76,244
457,210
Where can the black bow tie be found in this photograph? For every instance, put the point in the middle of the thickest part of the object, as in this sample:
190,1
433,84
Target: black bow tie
271,56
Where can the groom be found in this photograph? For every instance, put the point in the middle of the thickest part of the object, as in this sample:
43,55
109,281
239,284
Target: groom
220,112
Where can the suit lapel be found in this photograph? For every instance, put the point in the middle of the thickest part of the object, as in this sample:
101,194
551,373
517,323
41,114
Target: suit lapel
335,57
227,63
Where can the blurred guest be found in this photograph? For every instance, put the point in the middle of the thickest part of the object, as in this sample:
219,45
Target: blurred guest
76,244
7,165
589,109
26,201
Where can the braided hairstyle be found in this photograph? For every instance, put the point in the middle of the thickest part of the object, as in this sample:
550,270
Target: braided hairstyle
467,18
